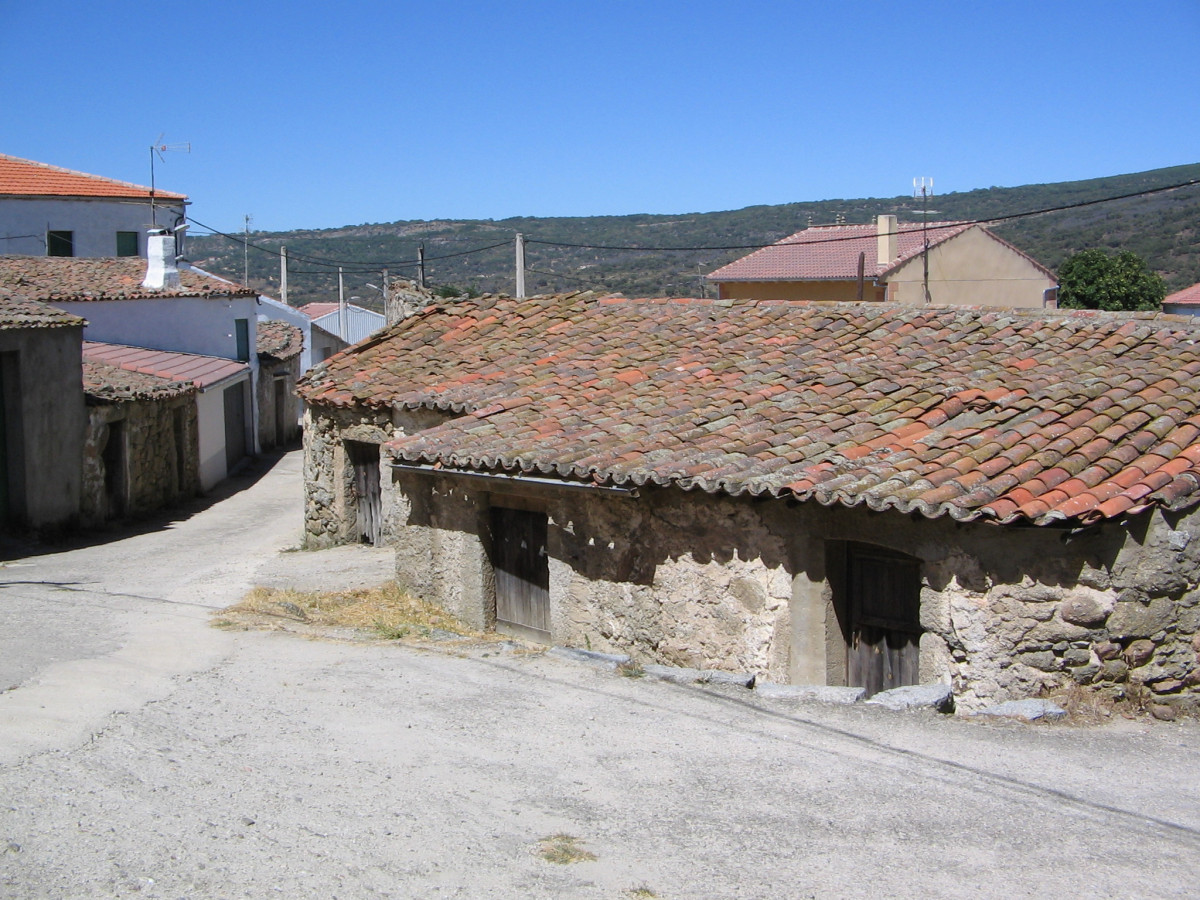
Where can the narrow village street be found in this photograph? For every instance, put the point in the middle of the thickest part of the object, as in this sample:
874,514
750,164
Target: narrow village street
145,753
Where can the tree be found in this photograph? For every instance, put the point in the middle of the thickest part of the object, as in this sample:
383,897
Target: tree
1091,279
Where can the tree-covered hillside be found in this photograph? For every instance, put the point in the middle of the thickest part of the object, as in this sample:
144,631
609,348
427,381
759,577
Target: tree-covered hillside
1160,227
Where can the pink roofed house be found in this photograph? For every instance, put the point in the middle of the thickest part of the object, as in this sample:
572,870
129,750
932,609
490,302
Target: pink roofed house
885,261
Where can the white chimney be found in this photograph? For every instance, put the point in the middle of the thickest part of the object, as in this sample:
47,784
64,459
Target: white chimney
887,242
161,272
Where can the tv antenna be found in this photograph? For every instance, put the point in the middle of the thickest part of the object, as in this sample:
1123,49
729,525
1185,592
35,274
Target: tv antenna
923,187
158,148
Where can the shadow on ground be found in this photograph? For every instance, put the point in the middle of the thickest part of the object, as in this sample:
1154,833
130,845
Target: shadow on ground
18,544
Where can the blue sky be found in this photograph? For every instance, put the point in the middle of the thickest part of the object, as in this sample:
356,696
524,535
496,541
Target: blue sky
313,115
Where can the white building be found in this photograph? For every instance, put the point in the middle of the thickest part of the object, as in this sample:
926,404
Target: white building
49,211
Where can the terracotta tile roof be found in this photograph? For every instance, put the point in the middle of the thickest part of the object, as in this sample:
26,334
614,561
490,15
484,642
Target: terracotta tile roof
1189,296
316,310
277,340
103,383
830,253
190,368
20,312
26,178
1037,415
80,278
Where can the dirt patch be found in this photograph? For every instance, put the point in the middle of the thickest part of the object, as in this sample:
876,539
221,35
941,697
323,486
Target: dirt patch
383,613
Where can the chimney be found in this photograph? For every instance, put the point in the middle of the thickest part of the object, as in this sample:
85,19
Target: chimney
161,272
887,243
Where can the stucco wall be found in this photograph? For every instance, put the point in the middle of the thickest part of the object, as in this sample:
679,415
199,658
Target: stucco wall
161,456
95,223
840,291
971,269
43,395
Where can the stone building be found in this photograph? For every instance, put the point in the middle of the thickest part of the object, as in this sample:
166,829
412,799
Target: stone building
1000,500
141,452
279,348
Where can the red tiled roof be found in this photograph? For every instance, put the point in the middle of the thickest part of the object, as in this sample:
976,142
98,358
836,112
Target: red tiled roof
277,340
316,310
202,371
1189,296
830,253
20,312
26,178
994,414
103,383
87,278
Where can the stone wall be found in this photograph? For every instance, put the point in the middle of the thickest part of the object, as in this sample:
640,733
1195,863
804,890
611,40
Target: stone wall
161,457
268,416
706,581
330,508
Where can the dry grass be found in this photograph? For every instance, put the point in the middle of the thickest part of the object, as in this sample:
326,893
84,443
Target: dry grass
386,610
562,849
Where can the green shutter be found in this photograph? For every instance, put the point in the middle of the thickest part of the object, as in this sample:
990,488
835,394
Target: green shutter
243,339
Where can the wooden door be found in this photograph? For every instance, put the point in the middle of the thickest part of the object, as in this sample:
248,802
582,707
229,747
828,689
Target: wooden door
281,410
367,493
522,568
235,425
884,602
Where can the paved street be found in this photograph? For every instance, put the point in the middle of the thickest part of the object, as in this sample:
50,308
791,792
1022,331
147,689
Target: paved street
144,753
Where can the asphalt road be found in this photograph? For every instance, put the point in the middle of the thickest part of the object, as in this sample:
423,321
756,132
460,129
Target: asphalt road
144,753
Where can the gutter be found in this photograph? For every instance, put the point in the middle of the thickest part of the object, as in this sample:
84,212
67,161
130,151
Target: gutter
531,480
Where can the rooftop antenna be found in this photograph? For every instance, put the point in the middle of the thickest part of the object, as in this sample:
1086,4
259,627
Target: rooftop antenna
923,190
158,148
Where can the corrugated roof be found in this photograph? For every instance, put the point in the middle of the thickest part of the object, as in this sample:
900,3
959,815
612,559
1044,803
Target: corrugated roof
1006,415
79,278
26,178
202,371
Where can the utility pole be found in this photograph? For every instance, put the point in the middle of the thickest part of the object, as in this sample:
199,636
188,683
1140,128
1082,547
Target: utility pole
283,274
386,310
421,263
246,250
926,190
520,267
341,305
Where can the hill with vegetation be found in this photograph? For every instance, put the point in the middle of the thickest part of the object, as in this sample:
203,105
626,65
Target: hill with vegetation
598,251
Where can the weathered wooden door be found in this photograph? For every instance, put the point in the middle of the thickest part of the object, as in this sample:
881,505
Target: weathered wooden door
367,493
235,425
884,600
522,569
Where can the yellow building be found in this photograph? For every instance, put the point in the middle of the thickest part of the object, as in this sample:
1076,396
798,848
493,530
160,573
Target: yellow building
887,261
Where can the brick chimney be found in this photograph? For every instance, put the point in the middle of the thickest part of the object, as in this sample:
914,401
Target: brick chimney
887,242
162,274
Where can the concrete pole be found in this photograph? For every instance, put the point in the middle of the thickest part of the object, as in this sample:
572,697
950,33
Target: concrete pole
520,266
341,305
421,263
283,274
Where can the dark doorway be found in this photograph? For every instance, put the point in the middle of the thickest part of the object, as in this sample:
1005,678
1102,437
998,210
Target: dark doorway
367,493
883,600
281,410
522,568
113,459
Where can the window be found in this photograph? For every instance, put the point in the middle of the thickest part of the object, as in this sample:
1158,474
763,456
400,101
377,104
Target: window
60,243
127,243
242,327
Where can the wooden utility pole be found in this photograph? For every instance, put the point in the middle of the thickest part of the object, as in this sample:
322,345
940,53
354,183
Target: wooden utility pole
283,274
520,266
862,267
421,264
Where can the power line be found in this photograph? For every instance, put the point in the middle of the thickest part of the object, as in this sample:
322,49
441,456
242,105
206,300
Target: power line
832,240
